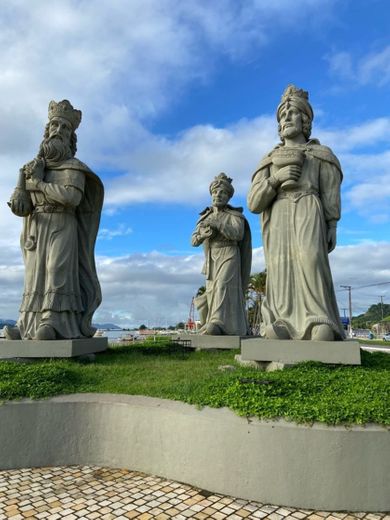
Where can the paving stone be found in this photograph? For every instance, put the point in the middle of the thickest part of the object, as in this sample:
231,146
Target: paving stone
259,514
275,516
92,493
283,512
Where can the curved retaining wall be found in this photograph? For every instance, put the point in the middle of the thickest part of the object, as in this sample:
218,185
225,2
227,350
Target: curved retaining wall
318,467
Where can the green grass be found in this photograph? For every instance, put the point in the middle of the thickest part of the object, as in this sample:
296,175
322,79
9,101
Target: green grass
304,393
380,342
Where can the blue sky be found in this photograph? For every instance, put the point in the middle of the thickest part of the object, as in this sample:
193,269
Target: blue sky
172,93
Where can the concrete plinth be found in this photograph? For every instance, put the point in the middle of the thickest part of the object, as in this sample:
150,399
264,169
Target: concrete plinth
288,352
60,348
205,342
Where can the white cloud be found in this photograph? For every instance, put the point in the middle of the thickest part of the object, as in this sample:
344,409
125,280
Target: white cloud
122,65
363,135
109,234
375,68
179,170
360,265
340,64
366,174
153,287
372,198
157,288
371,68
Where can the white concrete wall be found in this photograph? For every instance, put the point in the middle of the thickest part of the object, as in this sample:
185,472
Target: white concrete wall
319,467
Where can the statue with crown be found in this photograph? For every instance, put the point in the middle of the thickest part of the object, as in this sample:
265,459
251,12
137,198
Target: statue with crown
296,189
60,200
226,238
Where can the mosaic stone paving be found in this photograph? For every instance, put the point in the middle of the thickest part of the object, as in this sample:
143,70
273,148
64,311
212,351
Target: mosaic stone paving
88,492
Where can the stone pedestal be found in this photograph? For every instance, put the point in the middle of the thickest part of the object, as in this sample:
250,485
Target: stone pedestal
271,354
60,348
205,342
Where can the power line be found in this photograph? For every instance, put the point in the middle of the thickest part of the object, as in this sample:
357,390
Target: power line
364,286
371,285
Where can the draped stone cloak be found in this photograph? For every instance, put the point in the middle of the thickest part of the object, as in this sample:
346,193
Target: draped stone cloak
228,259
61,287
299,287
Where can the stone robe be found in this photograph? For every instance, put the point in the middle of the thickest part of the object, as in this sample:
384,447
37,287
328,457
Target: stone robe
227,267
61,288
299,287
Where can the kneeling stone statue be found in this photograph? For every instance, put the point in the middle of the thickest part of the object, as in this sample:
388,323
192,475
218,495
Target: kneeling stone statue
225,235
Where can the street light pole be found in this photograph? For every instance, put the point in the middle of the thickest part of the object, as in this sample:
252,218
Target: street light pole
349,289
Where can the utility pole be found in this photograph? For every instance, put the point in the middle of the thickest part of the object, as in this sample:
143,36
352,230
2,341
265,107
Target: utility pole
381,325
349,289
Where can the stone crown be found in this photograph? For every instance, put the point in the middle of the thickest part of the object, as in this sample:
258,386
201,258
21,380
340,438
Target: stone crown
65,109
293,91
298,97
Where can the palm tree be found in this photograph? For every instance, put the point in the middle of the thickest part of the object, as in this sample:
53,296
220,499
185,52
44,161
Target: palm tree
255,294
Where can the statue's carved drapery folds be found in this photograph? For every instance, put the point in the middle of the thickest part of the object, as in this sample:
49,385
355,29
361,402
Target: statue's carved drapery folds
225,235
296,189
60,200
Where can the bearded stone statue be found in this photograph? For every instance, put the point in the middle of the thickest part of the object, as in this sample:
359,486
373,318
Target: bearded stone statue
60,200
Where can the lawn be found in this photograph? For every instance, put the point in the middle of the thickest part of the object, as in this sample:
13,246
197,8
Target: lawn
379,342
304,393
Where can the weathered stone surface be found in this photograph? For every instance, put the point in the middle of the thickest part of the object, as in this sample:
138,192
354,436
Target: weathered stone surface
204,341
225,235
273,462
59,348
60,200
295,351
266,366
296,188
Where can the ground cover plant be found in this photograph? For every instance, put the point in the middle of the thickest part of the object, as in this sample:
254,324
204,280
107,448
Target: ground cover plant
304,393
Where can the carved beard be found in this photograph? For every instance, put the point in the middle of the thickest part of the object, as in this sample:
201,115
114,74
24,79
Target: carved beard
55,150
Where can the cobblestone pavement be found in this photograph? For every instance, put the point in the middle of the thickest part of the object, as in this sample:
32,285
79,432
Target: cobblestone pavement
89,492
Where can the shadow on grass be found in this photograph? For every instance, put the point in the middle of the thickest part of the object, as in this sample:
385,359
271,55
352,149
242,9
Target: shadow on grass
142,349
375,360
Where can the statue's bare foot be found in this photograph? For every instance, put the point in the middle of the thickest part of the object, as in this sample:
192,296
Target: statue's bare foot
12,332
213,330
276,332
45,332
322,333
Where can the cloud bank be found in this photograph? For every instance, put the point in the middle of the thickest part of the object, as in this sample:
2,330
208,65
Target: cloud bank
157,289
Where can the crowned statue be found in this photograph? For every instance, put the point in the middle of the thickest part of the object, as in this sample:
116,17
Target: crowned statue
224,232
60,200
296,189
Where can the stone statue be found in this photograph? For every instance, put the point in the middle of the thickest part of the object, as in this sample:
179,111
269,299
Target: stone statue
296,188
225,234
60,200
